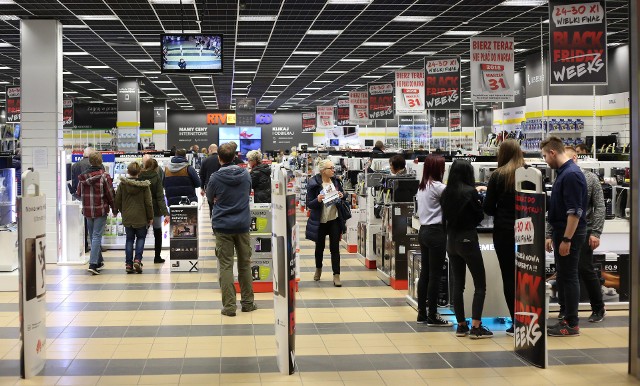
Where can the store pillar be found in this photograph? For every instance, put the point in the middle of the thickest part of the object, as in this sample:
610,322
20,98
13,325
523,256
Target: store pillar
128,123
41,137
160,124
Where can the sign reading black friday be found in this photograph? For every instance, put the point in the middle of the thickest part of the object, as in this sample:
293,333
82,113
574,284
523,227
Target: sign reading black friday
342,112
359,108
309,122
410,92
442,78
578,42
324,116
492,69
13,104
380,100
246,111
67,113
128,94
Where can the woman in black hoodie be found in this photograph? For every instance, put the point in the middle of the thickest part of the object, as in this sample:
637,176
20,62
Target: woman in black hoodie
462,212
260,178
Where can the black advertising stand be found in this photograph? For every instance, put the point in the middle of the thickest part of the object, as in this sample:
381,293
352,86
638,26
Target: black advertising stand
183,250
530,309
284,271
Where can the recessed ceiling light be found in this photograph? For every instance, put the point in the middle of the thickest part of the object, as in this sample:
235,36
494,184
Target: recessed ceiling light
324,32
307,52
176,2
245,72
251,44
352,60
75,26
371,76
523,3
335,72
348,2
391,66
461,33
96,67
149,44
151,72
257,18
247,60
80,81
425,53
377,44
97,89
69,92
413,19
98,17
287,77
140,60
109,95
66,73
75,53
322,81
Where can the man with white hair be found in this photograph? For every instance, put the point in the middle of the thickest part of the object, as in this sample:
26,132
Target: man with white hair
80,167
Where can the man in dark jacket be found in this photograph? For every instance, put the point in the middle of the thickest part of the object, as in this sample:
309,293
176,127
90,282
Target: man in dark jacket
378,148
80,167
229,189
180,179
210,165
260,178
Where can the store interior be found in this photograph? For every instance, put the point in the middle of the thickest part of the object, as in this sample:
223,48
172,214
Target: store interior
265,74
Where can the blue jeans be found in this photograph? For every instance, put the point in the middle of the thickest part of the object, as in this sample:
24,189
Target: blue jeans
139,235
567,279
95,228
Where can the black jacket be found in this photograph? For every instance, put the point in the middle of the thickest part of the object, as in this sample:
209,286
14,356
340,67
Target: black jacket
500,203
261,183
210,165
314,187
461,213
377,150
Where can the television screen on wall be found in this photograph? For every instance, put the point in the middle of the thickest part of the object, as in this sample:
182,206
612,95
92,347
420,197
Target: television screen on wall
191,53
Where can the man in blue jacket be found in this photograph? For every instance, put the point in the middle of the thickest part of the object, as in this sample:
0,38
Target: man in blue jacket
229,189
180,179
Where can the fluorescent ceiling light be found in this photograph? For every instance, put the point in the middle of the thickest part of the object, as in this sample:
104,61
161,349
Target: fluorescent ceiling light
5,45
294,66
371,76
523,3
176,2
205,91
279,85
82,97
355,85
200,77
464,60
161,81
97,89
175,94
179,31
98,17
614,44
287,77
413,19
149,44
324,32
66,73
69,92
425,53
391,66
461,33
520,50
247,60
352,60
140,60
251,44
245,72
239,88
203,85
313,88
322,81
75,53
97,67
349,2
242,81
340,91
80,81
4,82
75,26
168,88
304,94
257,18
377,44
268,96
272,92
307,52
109,95
151,72
336,72
96,101
8,68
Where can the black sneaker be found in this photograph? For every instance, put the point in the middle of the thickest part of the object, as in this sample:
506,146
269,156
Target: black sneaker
480,332
462,330
422,318
228,312
563,329
93,269
158,260
561,315
510,331
437,321
249,308
597,316
129,268
100,265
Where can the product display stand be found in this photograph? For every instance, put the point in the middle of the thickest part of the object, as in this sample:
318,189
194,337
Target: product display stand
262,251
184,238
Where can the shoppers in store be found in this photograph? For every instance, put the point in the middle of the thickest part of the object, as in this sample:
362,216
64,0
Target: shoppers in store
260,177
229,189
80,167
324,219
150,173
95,189
133,200
210,165
595,216
462,212
566,214
500,203
433,241
582,149
378,148
180,179
236,160
398,165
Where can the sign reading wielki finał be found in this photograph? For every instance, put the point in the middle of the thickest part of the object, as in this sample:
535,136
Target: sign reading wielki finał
359,108
577,43
492,69
380,100
309,122
442,91
410,92
324,116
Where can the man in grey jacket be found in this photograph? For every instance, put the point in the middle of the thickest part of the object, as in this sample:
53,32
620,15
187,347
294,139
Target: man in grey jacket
80,167
229,189
595,223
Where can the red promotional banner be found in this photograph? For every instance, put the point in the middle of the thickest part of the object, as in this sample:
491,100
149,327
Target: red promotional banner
308,122
67,112
442,84
324,117
342,118
13,104
359,108
578,42
380,100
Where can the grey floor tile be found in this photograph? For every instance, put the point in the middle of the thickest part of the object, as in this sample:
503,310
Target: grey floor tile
389,362
315,363
109,332
173,331
126,306
203,330
80,332
141,331
352,363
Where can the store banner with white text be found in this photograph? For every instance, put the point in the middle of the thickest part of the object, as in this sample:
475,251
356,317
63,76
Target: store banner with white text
67,113
342,112
578,42
13,104
309,122
324,117
380,100
359,108
455,121
492,69
442,91
410,96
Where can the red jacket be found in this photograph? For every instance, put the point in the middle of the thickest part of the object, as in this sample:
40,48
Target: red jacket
95,188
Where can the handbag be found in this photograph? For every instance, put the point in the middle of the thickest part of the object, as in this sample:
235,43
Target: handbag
344,210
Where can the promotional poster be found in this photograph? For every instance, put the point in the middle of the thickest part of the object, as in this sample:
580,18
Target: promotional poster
246,111
128,94
492,69
442,91
342,112
410,96
359,108
184,238
324,117
309,122
13,104
92,116
578,42
380,100
67,113
455,123
530,308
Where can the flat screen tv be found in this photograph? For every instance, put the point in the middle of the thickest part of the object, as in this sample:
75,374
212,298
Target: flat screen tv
191,53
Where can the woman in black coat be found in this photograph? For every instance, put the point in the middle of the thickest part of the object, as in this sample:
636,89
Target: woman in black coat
324,220
260,178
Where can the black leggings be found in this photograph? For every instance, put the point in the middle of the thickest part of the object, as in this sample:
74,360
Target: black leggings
464,251
433,249
331,228
505,244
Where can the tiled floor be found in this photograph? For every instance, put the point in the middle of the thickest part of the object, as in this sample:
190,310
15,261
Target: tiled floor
165,328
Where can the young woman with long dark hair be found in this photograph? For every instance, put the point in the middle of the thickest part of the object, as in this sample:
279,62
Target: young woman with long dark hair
433,241
462,213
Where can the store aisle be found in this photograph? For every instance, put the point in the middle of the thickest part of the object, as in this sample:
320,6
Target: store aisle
162,328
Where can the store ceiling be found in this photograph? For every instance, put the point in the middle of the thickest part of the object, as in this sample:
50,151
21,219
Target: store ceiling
273,71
